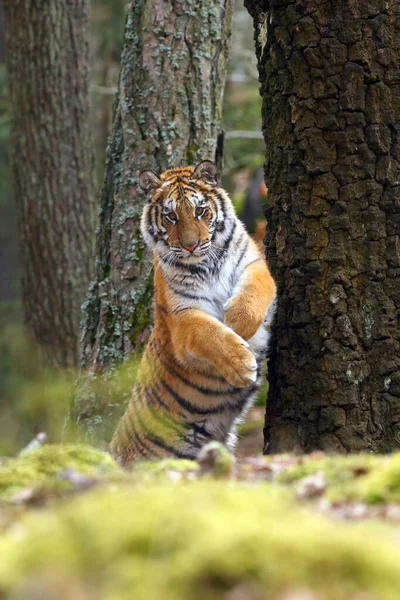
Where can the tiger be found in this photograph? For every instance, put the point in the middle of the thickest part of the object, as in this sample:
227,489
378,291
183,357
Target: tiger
214,300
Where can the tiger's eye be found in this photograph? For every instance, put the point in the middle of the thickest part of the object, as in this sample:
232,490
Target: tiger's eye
199,211
171,216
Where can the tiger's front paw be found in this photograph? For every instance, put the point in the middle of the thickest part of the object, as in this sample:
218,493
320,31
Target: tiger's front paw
236,363
242,317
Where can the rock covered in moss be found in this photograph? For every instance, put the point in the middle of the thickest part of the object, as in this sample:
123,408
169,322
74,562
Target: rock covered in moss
382,484
369,478
43,467
168,469
200,541
216,460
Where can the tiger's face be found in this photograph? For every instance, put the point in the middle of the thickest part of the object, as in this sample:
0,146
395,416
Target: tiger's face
183,212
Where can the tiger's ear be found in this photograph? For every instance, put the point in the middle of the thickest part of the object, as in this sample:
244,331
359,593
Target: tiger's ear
207,171
149,181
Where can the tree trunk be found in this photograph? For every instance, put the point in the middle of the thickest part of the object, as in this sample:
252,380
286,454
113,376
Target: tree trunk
51,163
330,84
167,113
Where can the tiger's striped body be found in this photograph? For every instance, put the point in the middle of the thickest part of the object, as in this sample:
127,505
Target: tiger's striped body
214,299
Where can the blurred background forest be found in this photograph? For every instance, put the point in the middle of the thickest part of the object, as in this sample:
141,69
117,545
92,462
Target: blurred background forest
31,401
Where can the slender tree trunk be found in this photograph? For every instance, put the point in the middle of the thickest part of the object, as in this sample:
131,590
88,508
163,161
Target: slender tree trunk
330,84
51,162
167,113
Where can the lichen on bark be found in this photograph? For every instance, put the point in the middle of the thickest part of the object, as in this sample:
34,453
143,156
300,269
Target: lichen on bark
167,113
330,79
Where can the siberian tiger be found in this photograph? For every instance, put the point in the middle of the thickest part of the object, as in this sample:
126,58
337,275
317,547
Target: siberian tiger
213,303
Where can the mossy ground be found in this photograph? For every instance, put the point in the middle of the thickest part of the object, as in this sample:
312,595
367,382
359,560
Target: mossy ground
171,531
367,478
43,467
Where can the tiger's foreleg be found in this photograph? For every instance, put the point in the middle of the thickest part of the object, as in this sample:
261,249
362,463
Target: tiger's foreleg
194,332
246,310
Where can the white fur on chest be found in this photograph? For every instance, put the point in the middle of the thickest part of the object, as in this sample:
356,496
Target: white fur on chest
218,292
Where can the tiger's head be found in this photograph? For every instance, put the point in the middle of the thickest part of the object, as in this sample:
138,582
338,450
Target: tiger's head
185,210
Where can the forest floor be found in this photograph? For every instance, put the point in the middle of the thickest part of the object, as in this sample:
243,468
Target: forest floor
250,434
73,525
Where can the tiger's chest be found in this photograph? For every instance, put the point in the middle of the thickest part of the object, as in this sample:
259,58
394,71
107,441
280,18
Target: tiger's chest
210,293
216,294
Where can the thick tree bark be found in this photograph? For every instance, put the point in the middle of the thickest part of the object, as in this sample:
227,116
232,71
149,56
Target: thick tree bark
51,161
167,113
330,84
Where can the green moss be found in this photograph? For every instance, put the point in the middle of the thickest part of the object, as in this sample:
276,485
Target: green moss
41,468
106,270
169,463
141,312
363,477
164,470
162,531
382,484
216,460
191,153
193,541
337,469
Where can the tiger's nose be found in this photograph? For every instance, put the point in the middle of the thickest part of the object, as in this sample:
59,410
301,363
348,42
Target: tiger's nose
191,247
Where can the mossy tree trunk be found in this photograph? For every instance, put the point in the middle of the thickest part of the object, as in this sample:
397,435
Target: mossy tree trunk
330,85
167,113
51,163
